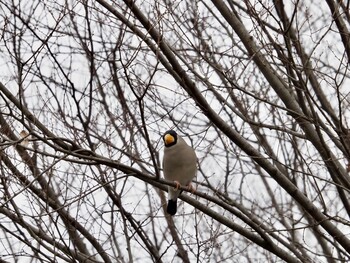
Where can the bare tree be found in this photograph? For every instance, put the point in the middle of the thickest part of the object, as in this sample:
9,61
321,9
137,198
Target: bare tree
259,88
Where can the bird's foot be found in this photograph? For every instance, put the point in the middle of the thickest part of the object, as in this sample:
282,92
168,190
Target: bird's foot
191,188
178,185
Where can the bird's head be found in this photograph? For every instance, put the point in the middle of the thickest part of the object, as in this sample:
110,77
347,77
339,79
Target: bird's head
170,138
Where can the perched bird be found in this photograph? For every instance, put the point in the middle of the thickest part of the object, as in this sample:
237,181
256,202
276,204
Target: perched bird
179,165
24,136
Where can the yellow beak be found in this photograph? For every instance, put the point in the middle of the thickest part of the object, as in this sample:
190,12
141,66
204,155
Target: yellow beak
168,139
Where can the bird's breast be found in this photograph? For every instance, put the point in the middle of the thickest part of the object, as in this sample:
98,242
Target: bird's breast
179,165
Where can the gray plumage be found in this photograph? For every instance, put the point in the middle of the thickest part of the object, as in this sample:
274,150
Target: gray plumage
179,164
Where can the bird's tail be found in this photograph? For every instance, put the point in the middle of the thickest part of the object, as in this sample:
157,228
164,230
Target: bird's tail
172,207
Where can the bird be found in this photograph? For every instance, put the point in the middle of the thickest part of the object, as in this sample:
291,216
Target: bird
179,165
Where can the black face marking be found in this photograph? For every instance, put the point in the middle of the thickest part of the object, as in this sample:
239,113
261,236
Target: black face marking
173,134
